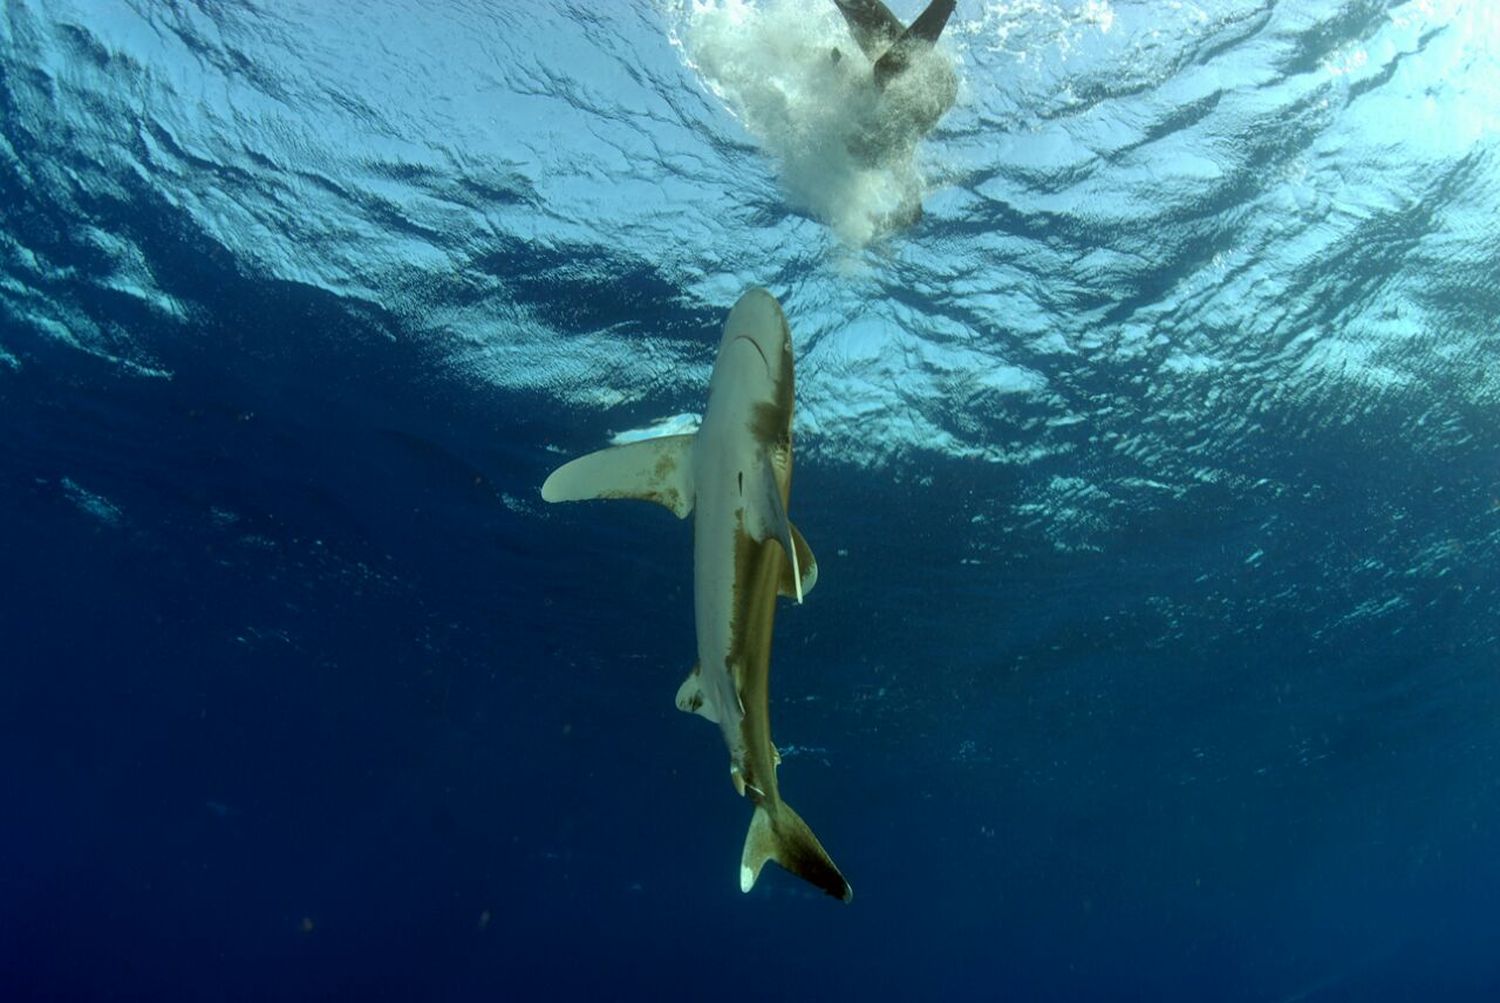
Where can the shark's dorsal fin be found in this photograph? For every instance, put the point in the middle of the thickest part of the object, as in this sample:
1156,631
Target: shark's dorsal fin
806,564
781,528
658,470
690,697
923,33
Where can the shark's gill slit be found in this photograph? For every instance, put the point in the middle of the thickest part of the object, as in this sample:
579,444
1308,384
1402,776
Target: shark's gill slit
742,484
758,351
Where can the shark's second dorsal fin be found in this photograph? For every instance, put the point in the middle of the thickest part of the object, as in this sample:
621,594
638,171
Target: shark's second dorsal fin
658,470
690,697
806,564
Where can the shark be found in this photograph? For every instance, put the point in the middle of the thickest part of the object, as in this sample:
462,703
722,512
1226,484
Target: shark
734,476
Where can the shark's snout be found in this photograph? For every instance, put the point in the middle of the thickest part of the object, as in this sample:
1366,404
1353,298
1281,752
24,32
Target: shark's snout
757,318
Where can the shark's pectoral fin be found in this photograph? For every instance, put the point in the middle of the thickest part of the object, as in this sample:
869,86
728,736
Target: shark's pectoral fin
691,698
778,833
807,565
779,526
924,31
658,470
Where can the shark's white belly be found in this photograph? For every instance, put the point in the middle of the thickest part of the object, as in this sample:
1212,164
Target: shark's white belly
720,515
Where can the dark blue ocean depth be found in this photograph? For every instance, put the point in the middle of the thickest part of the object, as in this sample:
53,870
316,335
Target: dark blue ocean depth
1154,478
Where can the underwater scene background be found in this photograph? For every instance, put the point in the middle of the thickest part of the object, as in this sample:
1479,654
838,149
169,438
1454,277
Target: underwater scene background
1152,472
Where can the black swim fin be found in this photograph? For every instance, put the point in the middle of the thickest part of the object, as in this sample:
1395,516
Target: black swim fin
924,31
874,27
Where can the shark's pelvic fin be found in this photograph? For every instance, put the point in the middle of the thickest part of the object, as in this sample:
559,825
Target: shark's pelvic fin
923,33
658,470
690,697
778,833
806,564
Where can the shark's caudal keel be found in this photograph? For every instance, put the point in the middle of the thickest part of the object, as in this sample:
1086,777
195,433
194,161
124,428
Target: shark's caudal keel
734,475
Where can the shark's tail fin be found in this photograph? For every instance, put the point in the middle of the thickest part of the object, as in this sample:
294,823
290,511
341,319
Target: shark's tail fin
778,833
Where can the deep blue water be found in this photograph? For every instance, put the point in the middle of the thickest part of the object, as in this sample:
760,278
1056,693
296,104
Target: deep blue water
1154,477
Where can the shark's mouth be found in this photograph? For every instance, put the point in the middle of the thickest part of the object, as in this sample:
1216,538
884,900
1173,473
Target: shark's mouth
766,362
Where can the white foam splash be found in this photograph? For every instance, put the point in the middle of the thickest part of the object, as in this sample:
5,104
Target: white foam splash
846,150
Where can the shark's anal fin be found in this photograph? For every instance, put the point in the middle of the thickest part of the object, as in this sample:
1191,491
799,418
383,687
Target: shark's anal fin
781,527
691,699
806,564
778,833
658,470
